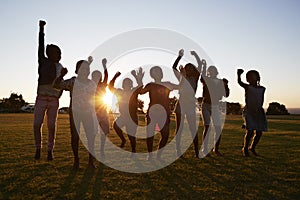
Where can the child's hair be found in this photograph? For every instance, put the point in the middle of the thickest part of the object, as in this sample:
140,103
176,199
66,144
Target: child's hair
80,63
211,69
191,70
254,74
127,82
156,72
50,48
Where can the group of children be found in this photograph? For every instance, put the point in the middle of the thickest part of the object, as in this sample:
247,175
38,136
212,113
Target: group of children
85,94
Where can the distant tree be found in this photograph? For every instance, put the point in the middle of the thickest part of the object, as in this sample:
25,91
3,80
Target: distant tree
172,103
140,106
276,108
13,103
233,108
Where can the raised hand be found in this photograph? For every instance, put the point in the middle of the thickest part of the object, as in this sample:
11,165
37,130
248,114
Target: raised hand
240,71
117,74
90,59
133,72
193,53
42,23
104,62
225,81
204,62
181,52
63,72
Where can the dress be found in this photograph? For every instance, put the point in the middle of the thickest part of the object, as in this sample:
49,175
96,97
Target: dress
253,114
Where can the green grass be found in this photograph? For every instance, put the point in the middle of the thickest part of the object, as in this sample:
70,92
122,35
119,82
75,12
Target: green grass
272,175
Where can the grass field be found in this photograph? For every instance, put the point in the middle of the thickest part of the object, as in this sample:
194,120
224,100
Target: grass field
275,174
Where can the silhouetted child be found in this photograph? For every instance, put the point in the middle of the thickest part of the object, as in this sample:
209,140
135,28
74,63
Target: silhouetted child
159,111
47,100
213,91
186,104
128,104
253,113
100,106
82,93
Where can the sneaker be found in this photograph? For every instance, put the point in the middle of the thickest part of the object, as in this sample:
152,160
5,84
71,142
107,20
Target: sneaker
50,156
218,153
245,152
122,145
149,157
76,163
37,155
253,151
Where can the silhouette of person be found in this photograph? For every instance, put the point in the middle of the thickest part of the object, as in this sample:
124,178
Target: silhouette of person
253,114
100,107
82,91
213,91
47,100
186,104
128,104
159,95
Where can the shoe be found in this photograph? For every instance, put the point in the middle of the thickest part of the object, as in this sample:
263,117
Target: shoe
122,145
37,155
76,163
254,152
245,152
91,162
218,153
50,155
149,157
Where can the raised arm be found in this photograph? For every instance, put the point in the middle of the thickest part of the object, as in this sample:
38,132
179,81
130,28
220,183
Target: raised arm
58,80
203,73
193,53
112,82
104,62
41,47
240,82
175,70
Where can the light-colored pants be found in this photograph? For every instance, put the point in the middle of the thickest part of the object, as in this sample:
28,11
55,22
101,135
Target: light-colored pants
49,106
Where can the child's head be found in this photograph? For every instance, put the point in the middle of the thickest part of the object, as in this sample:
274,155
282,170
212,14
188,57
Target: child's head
127,84
253,77
156,73
191,70
212,71
83,68
53,52
96,76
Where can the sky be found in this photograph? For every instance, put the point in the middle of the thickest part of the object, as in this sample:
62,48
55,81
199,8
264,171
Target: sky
261,35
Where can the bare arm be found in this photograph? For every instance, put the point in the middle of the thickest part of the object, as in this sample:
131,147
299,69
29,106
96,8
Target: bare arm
58,80
104,62
41,47
112,82
199,62
240,82
175,70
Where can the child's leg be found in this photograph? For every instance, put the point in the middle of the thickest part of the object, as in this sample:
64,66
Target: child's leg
191,119
255,141
90,131
104,125
165,131
247,138
205,139
131,128
217,139
179,128
39,114
150,130
119,131
74,139
53,105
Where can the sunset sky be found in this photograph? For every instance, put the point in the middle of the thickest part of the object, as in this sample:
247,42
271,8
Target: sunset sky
261,35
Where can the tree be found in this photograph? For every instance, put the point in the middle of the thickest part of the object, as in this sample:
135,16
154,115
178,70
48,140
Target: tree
140,105
233,108
276,108
13,103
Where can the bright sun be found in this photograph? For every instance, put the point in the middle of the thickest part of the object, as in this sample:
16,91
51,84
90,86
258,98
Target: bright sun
108,98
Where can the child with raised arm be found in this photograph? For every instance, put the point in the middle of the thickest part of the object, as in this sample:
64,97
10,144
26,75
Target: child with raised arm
128,104
100,107
159,111
213,91
47,100
82,93
186,104
253,114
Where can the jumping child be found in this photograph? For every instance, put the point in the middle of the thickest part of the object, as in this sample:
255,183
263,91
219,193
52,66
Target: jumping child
253,114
